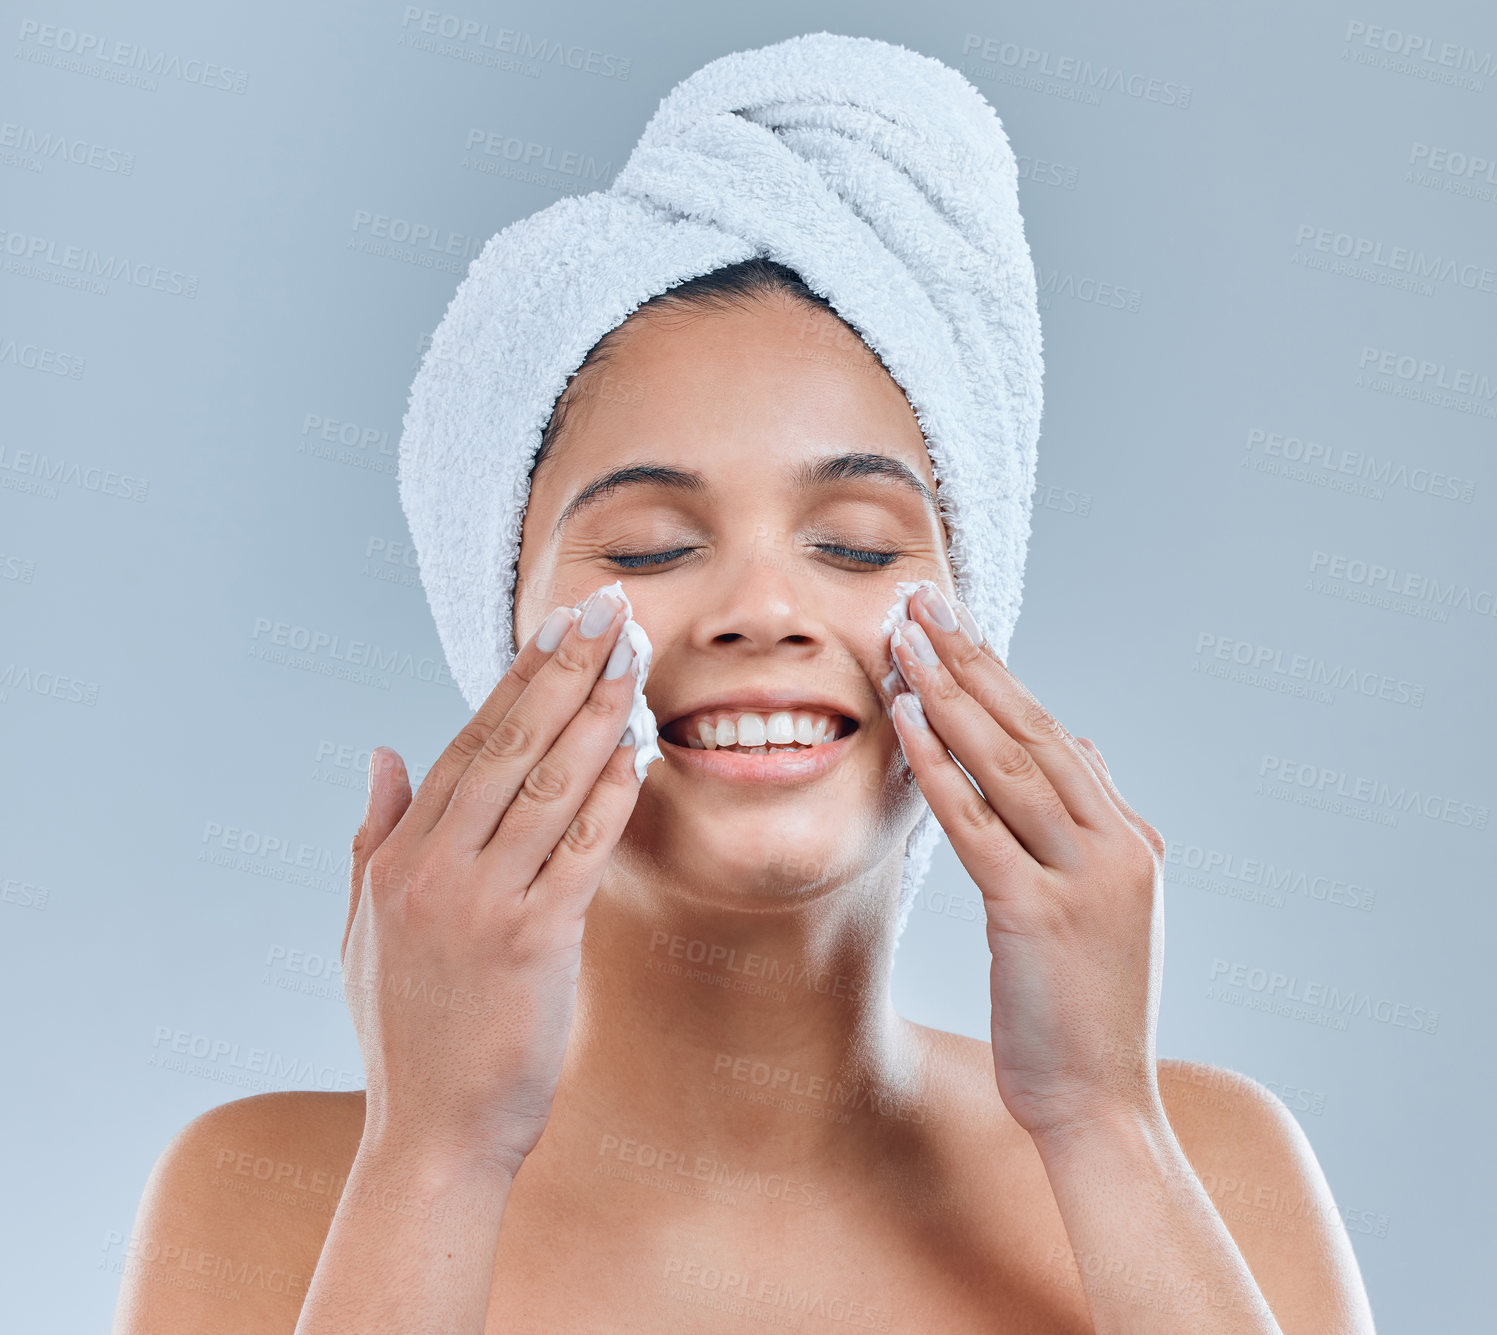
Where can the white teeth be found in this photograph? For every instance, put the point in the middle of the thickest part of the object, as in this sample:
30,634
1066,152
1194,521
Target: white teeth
780,729
757,734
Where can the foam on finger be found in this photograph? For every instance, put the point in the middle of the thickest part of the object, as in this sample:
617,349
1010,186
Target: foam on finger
641,732
899,612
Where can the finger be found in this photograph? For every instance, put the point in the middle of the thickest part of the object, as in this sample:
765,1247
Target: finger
557,785
1152,837
1001,696
982,841
1010,779
389,796
436,789
572,875
523,737
1091,750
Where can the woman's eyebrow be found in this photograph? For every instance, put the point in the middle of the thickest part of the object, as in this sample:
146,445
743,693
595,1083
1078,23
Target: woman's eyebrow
814,473
842,467
657,475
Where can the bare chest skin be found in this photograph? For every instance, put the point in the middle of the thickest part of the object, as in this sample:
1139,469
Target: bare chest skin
940,1220
910,1244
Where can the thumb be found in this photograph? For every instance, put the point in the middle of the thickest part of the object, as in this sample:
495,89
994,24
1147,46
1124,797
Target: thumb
389,796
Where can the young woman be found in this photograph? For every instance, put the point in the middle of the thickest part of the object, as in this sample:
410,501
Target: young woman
632,1061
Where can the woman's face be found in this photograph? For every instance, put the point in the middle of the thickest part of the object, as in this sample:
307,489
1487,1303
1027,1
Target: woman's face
779,487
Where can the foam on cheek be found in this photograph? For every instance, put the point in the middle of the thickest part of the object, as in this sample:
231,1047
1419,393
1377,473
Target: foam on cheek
893,680
641,732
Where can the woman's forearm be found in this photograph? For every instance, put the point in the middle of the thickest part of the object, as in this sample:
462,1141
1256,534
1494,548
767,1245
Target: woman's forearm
411,1247
1149,1249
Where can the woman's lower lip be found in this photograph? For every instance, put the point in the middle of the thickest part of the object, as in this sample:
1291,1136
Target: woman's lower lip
774,767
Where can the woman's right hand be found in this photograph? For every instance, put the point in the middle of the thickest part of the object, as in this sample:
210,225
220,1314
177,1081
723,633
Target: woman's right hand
463,943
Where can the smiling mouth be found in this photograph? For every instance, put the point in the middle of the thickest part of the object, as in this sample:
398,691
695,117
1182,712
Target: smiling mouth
757,733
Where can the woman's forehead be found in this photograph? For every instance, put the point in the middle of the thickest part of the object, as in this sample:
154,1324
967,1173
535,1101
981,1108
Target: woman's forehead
769,384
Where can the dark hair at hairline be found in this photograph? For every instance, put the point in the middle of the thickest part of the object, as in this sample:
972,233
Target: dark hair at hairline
734,285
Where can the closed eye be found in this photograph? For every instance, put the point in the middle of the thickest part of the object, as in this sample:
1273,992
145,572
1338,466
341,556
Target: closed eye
645,560
876,559
642,560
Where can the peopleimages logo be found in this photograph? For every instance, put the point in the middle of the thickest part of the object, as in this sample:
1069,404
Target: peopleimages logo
1423,57
1292,673
1374,575
41,257
1327,784
1032,62
1392,260
1258,988
90,53
28,145
1334,460
546,51
1257,879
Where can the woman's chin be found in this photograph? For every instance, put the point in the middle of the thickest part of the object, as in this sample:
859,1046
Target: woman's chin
731,858
738,853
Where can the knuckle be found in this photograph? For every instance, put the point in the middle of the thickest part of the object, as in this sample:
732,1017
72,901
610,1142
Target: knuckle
974,811
470,739
1152,838
1038,720
598,706
967,655
942,687
510,740
1013,762
586,834
546,783
574,657
614,776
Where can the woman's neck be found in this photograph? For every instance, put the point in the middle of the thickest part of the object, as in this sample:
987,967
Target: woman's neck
708,1026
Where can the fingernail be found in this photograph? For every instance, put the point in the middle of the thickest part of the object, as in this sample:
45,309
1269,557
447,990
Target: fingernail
619,659
376,763
969,624
553,628
914,711
939,608
915,636
597,612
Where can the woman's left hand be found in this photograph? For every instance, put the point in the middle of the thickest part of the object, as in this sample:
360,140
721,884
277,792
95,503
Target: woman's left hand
1071,877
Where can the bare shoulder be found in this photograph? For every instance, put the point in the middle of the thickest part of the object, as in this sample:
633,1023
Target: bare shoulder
1250,1154
234,1214
1260,1171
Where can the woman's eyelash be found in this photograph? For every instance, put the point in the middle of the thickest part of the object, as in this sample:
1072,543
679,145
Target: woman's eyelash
643,560
857,554
635,561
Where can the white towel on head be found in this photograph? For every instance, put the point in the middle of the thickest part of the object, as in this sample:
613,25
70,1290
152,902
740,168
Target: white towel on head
884,179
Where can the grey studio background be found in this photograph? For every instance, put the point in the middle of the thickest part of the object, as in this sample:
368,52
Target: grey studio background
1261,576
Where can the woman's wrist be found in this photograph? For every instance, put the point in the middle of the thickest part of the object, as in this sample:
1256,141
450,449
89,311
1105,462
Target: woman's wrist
430,1167
1117,1132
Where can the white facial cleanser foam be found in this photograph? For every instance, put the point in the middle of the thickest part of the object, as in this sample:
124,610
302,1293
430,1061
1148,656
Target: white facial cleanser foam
641,731
900,611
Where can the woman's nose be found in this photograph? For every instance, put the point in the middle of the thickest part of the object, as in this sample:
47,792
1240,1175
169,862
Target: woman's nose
757,602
